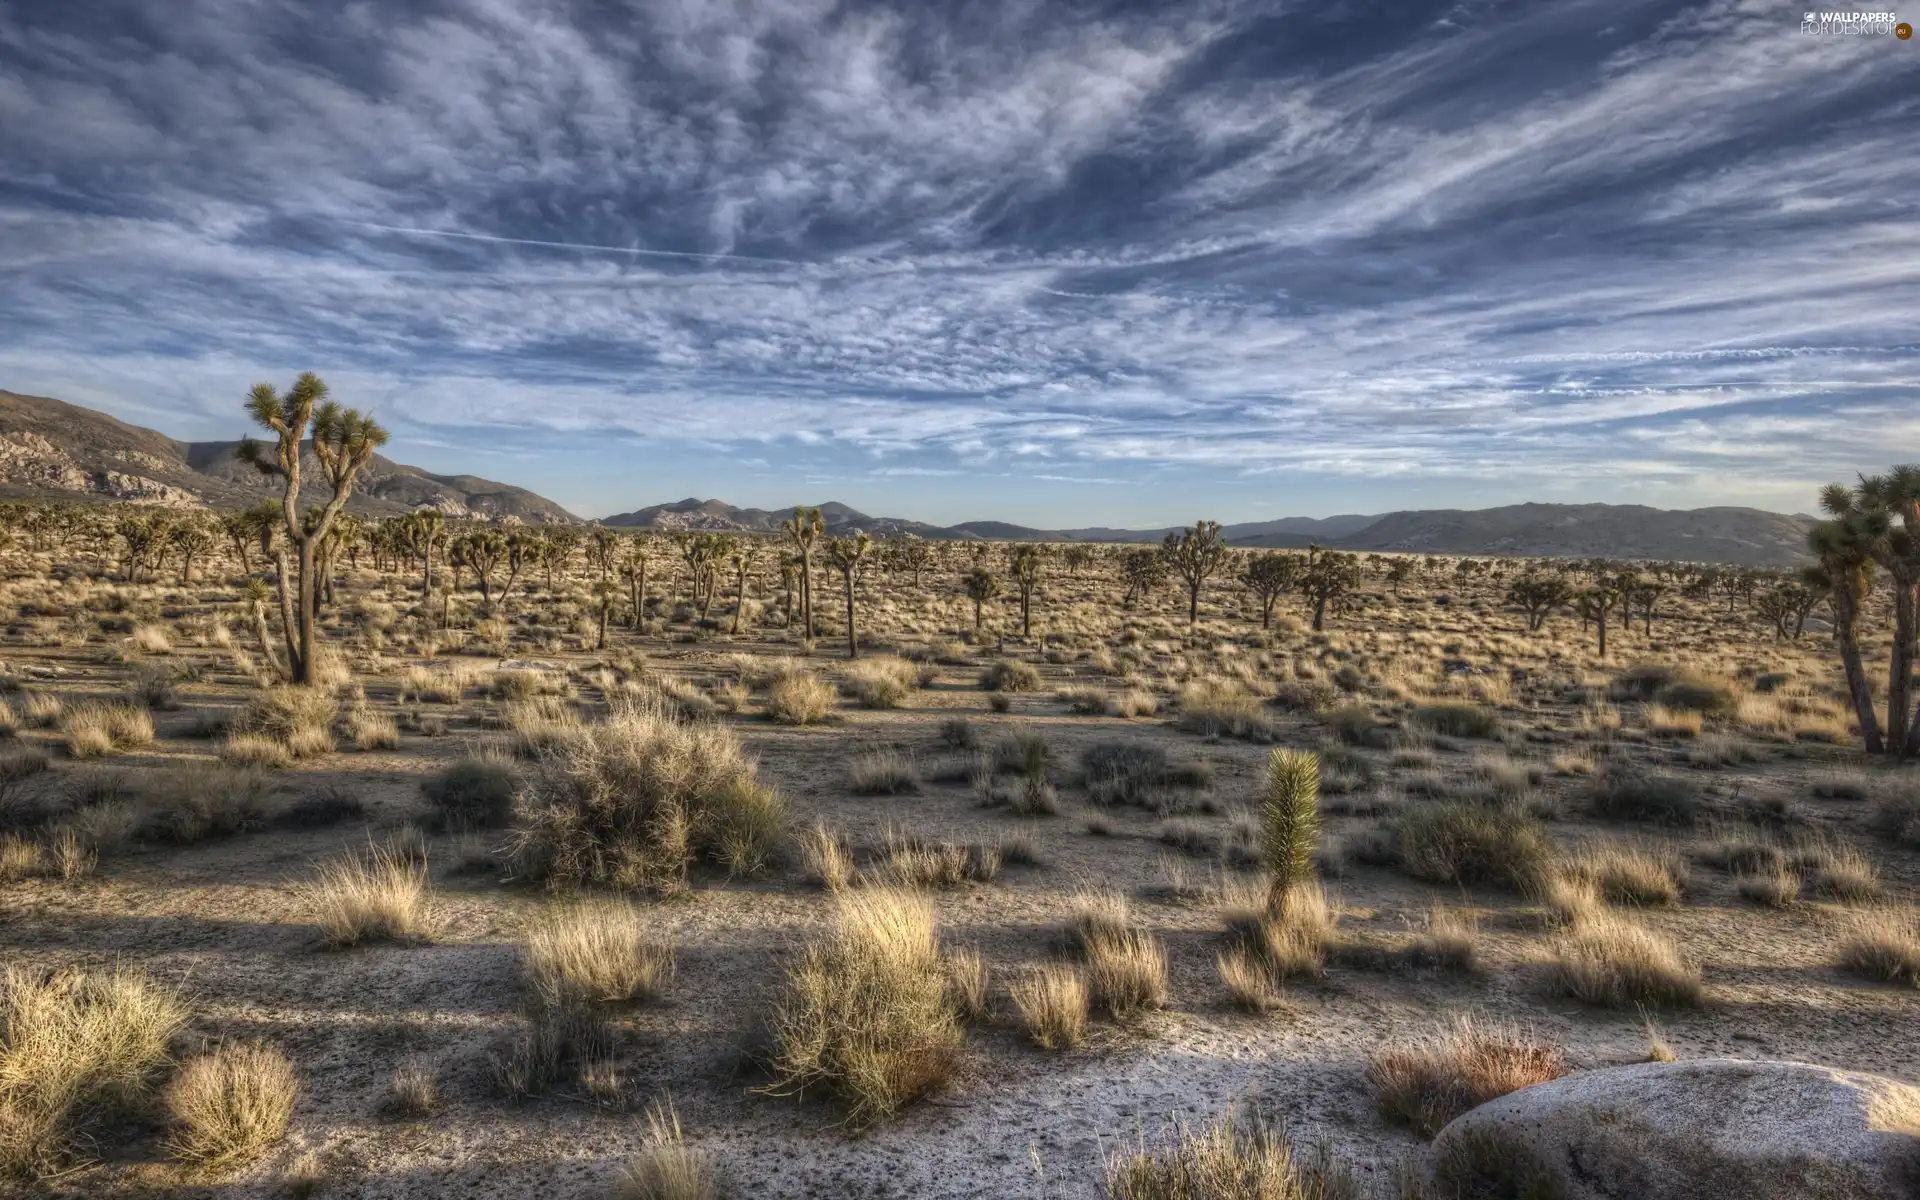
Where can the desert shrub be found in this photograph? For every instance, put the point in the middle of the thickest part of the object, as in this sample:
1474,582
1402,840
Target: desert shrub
867,1012
1627,794
21,858
1010,675
880,682
797,698
413,1090
1471,844
1608,960
1127,975
882,773
1776,886
1294,944
1896,812
1883,945
75,1050
520,684
370,730
376,897
473,793
1641,681
198,800
1306,695
968,981
1000,702
632,801
230,1105
1354,725
1698,694
666,1168
956,733
589,954
254,750
1427,1082
1456,719
98,728
21,762
1134,772
913,862
1248,982
1839,870
1223,708
1053,1002
1448,938
1227,1161
153,686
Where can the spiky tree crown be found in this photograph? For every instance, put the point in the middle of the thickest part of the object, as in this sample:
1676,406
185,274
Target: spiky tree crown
1290,821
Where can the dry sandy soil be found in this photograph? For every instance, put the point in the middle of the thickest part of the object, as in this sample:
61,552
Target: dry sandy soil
225,920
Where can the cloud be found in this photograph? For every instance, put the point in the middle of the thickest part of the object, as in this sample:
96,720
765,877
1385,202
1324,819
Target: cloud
1486,249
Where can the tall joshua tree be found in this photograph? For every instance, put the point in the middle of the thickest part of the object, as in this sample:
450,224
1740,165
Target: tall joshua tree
740,553
424,529
1289,824
803,530
1025,561
1269,576
1893,502
343,440
1844,568
1195,554
848,555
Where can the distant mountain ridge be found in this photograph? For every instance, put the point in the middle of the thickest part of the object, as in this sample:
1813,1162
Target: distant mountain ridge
50,449
1744,536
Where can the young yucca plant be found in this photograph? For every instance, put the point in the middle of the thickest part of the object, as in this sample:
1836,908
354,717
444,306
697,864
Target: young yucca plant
1289,823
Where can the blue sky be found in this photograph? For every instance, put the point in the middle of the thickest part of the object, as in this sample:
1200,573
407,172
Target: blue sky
1056,263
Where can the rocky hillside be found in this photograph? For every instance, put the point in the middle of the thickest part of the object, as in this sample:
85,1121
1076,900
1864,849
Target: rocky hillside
52,450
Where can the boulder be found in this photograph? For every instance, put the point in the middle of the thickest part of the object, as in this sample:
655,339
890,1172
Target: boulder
1705,1129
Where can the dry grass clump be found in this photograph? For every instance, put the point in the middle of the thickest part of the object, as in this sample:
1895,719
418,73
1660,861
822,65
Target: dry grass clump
370,730
1663,722
1053,1002
913,862
1225,1162
1127,975
1608,960
880,682
1427,1082
1774,886
883,773
298,720
1628,794
1883,945
1010,675
1631,872
1471,845
825,858
380,896
1293,945
1896,812
97,728
799,698
868,1013
666,1168
21,762
1214,707
75,1050
21,859
1248,981
1448,938
1839,871
594,954
230,1105
632,801
413,1090
254,751
968,982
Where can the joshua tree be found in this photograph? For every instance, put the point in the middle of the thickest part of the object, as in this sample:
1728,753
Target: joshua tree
601,547
1289,824
1269,576
910,553
522,548
605,592
343,440
1896,496
741,553
561,543
1398,573
1142,570
1077,558
483,550
145,534
806,526
1595,604
242,530
703,552
257,596
1644,593
847,555
1539,595
1195,554
1843,547
634,565
190,542
1024,560
1329,579
982,585
1787,605
421,531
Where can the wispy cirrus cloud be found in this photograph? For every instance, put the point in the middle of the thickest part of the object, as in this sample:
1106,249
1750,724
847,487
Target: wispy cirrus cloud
1118,259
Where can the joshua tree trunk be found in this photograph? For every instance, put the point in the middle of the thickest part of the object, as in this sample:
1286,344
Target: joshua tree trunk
853,643
1193,605
1900,668
976,616
1846,636
606,607
806,592
739,595
266,641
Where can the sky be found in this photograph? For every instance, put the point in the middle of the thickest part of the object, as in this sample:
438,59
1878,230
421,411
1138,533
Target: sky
1059,263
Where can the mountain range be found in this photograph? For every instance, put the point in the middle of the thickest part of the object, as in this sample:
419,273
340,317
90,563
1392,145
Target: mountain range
50,449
